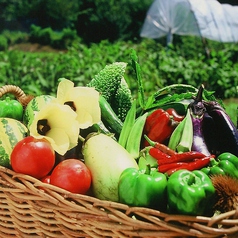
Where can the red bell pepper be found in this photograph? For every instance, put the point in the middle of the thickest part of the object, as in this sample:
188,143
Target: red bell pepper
172,112
159,126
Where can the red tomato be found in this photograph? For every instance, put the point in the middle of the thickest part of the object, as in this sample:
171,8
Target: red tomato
71,175
46,179
32,156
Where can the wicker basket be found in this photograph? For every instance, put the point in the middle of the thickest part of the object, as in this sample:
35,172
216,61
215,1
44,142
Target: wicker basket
30,208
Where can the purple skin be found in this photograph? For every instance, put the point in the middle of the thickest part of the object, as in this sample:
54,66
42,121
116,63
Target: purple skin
199,143
226,132
214,132
197,111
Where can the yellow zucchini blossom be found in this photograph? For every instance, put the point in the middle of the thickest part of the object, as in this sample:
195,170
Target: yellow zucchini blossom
60,120
57,123
83,100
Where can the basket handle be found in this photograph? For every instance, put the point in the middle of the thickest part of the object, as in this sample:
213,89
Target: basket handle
17,92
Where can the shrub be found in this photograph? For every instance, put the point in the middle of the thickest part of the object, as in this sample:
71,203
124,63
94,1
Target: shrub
57,39
3,43
14,37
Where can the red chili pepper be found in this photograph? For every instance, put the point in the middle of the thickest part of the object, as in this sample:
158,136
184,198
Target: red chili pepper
186,156
183,157
174,114
165,167
158,154
196,164
165,149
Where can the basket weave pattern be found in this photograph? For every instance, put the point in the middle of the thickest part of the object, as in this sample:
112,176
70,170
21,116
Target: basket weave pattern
30,208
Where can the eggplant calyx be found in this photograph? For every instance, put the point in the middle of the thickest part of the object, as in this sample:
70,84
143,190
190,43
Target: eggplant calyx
197,107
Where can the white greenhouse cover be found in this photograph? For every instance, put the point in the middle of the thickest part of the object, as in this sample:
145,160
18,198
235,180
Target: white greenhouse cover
205,18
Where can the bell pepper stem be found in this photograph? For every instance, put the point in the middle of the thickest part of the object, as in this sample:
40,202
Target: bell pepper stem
213,162
191,179
147,169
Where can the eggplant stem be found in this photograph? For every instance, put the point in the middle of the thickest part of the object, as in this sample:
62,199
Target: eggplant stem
199,94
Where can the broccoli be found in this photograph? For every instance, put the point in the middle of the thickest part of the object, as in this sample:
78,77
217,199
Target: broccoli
113,87
107,81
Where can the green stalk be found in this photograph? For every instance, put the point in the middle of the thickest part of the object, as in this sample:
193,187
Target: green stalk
127,125
137,68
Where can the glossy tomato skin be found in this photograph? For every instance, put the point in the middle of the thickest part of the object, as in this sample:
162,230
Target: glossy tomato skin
34,157
72,175
46,179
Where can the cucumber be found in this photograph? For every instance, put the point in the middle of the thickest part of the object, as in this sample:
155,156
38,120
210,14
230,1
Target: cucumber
109,117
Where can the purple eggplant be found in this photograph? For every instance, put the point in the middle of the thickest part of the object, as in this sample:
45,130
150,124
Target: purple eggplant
210,133
197,112
226,133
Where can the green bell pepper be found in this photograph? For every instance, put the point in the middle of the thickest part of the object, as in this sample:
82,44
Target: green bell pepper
143,187
11,108
225,164
190,192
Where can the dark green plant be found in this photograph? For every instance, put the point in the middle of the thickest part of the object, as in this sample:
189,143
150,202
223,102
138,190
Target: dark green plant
15,37
3,43
110,19
56,39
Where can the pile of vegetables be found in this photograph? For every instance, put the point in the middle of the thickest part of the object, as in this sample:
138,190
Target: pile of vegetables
175,151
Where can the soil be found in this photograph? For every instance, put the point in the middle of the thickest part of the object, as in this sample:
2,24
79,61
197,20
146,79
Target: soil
34,47
231,100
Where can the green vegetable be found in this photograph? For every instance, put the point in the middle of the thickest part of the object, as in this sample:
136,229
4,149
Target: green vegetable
190,192
113,87
107,81
137,68
122,100
11,108
182,137
11,132
143,187
134,139
109,117
225,164
127,125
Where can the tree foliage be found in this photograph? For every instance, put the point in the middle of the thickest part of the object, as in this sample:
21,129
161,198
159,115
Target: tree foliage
93,20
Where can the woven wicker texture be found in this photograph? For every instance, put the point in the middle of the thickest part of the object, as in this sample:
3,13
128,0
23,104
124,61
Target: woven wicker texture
30,208
17,92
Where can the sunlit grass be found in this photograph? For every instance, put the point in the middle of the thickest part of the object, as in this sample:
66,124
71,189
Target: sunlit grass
231,107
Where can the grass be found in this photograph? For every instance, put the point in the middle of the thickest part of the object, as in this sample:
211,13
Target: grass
231,107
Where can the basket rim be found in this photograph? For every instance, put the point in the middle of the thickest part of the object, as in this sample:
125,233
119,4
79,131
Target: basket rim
109,215
38,184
